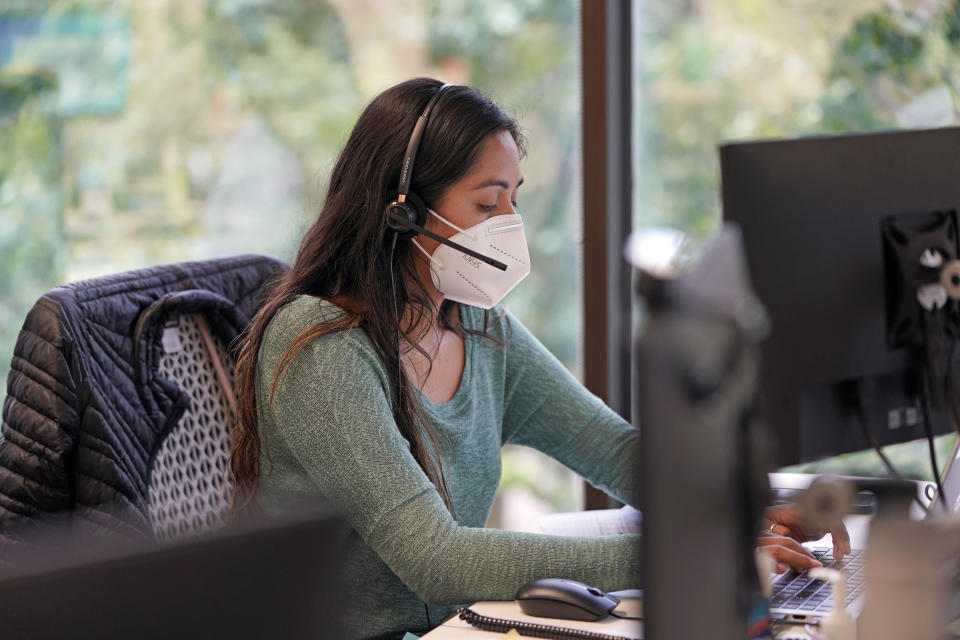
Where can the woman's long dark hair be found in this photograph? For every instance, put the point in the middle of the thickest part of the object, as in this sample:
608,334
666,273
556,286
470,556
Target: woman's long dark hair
346,254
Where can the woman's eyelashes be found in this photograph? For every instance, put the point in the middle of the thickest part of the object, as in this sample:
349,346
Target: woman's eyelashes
490,208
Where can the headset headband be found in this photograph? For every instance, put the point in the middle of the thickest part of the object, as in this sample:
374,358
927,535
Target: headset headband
406,172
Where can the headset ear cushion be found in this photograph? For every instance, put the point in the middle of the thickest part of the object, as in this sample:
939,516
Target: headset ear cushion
412,210
419,207
397,213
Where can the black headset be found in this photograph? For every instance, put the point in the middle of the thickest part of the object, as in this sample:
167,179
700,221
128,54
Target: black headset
407,215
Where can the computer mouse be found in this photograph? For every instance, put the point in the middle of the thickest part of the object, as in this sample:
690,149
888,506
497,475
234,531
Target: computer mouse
565,599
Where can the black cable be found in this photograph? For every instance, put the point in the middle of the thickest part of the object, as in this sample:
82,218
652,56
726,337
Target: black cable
951,396
878,449
623,617
531,629
928,429
864,414
396,316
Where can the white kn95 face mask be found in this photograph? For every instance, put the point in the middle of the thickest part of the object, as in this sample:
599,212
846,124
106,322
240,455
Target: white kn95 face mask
465,279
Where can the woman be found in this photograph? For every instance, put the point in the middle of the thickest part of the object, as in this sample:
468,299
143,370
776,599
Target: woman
363,381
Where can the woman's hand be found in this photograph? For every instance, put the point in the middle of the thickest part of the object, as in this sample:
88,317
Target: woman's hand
785,525
787,552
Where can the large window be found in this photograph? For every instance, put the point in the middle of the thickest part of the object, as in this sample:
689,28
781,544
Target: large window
724,70
138,133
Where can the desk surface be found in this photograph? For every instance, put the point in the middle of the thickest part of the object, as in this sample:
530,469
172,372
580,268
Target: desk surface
631,604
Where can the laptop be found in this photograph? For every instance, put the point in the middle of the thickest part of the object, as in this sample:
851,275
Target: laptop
797,597
273,579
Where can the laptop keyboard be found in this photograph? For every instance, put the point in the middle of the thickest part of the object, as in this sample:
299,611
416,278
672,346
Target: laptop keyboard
798,591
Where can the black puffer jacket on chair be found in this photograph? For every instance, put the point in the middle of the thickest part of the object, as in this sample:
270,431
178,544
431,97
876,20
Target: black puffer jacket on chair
85,410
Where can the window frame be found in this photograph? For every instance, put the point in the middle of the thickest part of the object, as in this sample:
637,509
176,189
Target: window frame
606,77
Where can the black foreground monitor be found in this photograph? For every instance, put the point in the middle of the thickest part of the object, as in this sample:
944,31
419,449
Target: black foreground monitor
844,237
272,579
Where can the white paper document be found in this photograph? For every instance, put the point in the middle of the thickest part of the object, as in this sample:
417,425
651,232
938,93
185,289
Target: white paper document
602,522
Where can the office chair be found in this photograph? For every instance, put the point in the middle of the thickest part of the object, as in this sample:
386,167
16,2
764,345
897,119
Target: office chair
120,401
190,483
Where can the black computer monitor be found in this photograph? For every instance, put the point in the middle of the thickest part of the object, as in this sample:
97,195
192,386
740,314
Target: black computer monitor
272,578
832,227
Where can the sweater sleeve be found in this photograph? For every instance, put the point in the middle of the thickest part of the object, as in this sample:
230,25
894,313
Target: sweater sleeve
332,411
548,409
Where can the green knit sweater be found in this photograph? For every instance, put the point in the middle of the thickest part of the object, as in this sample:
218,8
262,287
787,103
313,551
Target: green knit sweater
330,432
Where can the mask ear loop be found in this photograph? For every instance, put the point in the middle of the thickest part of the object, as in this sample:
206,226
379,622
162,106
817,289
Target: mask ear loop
429,257
448,223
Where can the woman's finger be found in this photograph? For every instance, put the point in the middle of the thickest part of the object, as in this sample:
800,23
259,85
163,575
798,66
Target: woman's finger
841,541
788,531
785,542
796,561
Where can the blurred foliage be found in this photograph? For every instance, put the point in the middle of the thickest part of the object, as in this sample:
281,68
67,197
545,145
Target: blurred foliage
544,477
287,62
725,70
910,459
729,70
234,113
31,228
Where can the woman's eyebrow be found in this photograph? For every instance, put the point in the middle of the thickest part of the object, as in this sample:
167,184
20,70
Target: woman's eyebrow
495,182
